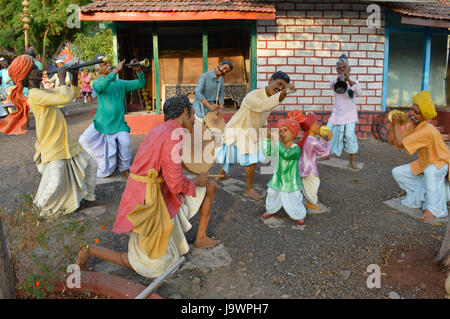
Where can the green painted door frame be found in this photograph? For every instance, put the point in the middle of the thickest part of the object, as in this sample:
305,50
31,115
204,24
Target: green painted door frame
115,60
156,71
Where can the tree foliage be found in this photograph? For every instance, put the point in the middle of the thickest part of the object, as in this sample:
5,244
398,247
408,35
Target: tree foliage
48,26
86,46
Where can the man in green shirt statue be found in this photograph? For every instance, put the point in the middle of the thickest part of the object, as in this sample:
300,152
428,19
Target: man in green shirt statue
107,139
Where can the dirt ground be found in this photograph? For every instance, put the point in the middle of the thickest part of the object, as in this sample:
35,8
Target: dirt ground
328,258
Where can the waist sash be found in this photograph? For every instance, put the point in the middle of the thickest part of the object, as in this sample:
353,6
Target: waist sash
151,220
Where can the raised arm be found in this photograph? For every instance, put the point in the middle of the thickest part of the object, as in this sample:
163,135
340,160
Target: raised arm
100,84
139,83
258,104
62,95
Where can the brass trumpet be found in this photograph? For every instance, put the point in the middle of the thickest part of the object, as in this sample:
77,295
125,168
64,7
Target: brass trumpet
144,62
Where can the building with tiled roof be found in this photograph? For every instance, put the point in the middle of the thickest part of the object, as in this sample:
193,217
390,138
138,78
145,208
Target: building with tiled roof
395,48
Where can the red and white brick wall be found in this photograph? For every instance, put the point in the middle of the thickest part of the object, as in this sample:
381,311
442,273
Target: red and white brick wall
305,41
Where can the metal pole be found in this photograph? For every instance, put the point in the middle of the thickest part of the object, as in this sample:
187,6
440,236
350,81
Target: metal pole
426,60
160,279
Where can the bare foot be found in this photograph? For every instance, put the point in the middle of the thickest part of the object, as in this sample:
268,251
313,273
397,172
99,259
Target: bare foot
206,242
323,159
253,194
83,257
126,173
353,166
427,215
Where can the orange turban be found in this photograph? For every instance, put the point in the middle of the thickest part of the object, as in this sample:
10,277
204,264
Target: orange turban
15,123
292,125
305,123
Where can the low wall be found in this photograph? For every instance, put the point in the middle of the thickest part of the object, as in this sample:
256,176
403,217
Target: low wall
444,119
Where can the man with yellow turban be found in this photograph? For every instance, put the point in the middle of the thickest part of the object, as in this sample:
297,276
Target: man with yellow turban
425,180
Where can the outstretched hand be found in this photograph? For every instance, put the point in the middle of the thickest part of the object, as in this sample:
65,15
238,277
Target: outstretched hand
119,67
136,69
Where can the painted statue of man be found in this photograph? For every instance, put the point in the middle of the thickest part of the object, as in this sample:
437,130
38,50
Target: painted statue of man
159,200
240,139
424,180
344,116
107,138
209,96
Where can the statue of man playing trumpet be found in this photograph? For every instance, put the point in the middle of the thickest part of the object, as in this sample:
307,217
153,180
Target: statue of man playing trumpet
107,139
424,180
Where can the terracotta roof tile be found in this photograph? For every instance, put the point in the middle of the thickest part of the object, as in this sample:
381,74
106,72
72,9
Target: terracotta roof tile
432,10
178,5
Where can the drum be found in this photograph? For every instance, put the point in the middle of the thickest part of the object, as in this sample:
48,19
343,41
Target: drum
198,149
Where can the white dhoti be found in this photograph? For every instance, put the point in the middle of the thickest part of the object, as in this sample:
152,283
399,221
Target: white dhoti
65,183
111,151
178,245
291,202
310,187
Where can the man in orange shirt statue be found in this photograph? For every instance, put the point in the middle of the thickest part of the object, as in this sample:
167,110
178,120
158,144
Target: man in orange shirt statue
425,180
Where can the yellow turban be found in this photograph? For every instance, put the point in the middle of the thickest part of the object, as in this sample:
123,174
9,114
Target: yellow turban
426,105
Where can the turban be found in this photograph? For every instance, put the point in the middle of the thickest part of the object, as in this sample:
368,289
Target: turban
425,104
292,125
15,123
306,124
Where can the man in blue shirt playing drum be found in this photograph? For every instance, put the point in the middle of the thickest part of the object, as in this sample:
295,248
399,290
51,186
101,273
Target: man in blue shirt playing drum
209,94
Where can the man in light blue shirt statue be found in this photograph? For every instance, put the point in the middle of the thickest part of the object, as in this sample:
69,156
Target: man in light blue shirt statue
6,80
209,94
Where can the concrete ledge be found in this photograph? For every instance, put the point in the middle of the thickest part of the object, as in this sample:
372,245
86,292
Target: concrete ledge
415,213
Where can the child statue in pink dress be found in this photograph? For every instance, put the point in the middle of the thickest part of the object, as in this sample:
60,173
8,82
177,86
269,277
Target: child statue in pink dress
312,144
86,89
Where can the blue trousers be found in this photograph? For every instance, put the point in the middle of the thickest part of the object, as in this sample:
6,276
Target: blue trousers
343,137
429,190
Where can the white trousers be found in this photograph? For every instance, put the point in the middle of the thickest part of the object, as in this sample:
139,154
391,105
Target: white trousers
65,183
111,151
291,202
429,190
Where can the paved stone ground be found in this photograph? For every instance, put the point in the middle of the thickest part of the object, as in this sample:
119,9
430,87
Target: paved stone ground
327,258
